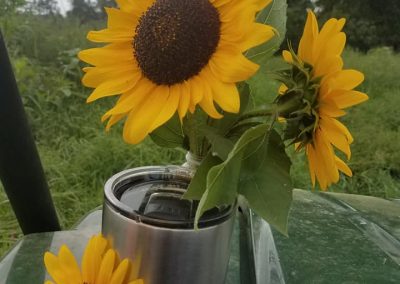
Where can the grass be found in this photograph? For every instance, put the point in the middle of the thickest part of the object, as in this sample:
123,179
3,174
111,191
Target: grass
78,156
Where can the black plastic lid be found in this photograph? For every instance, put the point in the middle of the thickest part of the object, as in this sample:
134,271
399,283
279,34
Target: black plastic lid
153,195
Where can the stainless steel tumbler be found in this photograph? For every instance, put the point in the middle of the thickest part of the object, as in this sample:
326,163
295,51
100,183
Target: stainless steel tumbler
146,220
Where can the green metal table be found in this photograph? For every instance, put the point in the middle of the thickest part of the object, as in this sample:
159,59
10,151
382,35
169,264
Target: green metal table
334,238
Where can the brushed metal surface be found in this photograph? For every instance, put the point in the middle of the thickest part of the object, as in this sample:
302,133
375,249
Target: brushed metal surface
164,255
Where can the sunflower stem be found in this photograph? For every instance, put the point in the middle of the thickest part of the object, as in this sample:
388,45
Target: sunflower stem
195,145
271,110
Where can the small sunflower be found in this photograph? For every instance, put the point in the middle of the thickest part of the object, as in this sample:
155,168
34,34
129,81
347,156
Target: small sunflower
165,56
319,89
99,265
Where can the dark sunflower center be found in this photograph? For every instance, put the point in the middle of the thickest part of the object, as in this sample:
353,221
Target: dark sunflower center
175,39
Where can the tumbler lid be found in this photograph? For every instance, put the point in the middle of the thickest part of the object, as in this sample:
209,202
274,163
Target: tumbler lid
153,195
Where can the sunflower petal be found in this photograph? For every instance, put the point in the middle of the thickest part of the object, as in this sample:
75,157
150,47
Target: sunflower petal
231,66
307,42
97,75
207,103
115,87
347,79
138,123
113,120
224,94
129,101
69,264
106,268
184,99
54,268
343,167
287,56
138,281
257,35
168,110
118,19
111,54
120,273
345,99
335,136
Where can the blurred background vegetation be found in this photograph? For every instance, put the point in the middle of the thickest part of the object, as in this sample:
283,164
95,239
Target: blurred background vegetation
78,156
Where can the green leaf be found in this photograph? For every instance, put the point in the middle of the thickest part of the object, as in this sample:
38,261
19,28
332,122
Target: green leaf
198,183
223,179
265,179
220,145
169,135
274,15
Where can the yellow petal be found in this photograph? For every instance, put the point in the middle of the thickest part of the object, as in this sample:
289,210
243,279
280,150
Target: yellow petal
168,109
120,273
106,268
111,54
54,269
345,99
335,45
327,65
347,79
330,40
336,137
184,99
115,87
196,90
97,75
118,19
130,101
224,94
69,264
334,126
307,41
343,167
112,35
257,34
91,259
329,108
138,281
326,158
282,89
134,7
231,66
138,123
207,103
113,120
287,56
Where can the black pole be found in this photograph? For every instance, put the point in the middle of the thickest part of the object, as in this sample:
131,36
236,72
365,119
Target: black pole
21,171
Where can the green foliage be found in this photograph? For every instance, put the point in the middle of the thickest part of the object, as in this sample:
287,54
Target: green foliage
265,179
170,135
370,23
78,156
258,168
274,15
296,15
10,6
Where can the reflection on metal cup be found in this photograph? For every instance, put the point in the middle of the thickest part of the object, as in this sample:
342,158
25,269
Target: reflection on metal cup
146,220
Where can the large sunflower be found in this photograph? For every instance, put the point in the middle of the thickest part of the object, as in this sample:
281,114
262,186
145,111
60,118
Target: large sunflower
165,56
320,52
99,265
